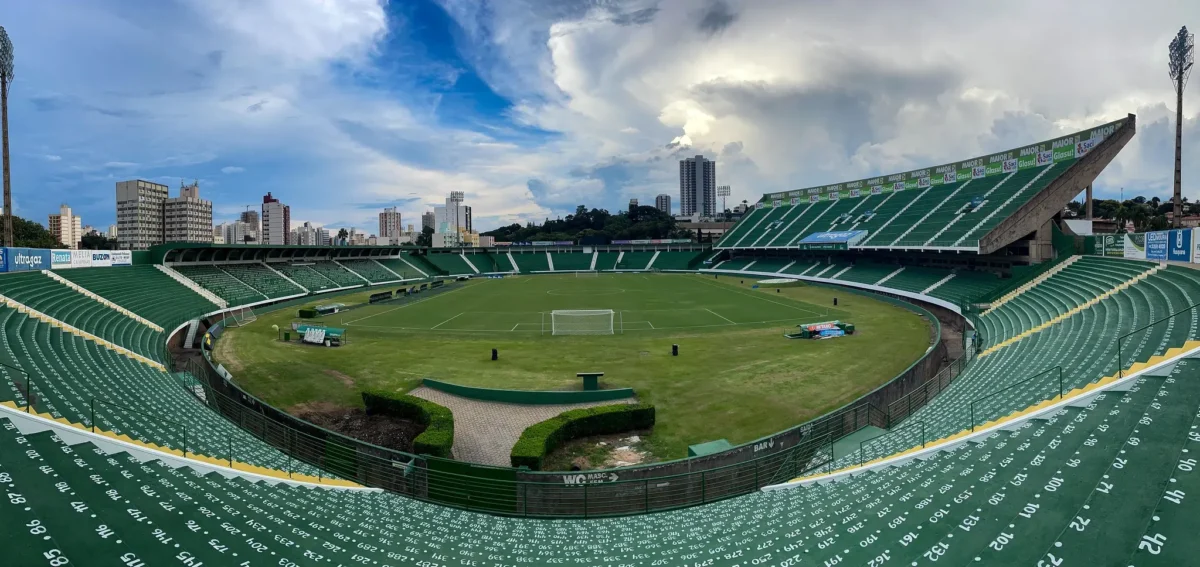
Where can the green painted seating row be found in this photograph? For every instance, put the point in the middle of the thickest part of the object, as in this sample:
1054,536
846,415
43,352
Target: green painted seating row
141,289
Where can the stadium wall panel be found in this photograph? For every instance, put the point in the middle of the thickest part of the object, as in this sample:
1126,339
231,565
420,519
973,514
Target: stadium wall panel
529,397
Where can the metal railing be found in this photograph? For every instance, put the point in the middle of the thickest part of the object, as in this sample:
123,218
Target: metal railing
1014,385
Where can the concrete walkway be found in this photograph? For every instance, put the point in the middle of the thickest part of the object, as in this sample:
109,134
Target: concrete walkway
485,432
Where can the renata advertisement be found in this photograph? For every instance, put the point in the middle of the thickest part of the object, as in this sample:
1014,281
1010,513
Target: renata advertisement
60,259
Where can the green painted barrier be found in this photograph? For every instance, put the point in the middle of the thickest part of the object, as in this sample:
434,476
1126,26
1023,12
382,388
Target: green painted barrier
530,397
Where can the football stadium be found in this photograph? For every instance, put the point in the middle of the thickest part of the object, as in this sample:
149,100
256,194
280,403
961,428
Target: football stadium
926,366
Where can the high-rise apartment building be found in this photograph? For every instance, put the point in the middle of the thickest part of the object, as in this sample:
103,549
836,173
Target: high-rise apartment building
663,203
309,235
140,213
187,218
250,217
65,227
389,223
276,221
218,234
428,221
697,186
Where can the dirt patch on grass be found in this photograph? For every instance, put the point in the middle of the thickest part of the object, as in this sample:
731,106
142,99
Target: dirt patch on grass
225,354
345,380
382,430
600,452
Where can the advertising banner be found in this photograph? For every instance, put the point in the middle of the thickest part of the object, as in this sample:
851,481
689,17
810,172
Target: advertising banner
1135,246
26,259
60,259
1156,245
1179,245
122,258
837,240
3,260
1112,245
81,258
1070,147
101,258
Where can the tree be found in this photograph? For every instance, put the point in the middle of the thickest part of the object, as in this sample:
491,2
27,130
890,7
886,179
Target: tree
343,234
426,237
96,241
29,234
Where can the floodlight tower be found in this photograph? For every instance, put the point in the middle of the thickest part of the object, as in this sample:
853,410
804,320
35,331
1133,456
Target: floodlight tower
6,77
456,199
1180,58
722,192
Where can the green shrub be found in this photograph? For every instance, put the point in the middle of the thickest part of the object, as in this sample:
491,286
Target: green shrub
542,438
438,437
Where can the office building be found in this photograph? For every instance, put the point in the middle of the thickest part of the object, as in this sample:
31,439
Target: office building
187,218
427,221
697,186
663,203
218,234
276,221
389,223
309,235
111,232
65,227
140,214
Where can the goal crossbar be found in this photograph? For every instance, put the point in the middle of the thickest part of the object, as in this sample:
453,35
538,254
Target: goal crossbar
581,322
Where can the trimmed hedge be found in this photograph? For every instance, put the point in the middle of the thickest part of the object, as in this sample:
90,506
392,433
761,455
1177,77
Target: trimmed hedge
438,437
540,439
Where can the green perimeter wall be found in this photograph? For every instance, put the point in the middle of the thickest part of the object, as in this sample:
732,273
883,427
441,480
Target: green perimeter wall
530,397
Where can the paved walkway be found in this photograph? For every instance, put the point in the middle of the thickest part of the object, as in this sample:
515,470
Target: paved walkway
485,432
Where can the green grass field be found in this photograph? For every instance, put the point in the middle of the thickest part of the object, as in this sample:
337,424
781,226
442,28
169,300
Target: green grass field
736,376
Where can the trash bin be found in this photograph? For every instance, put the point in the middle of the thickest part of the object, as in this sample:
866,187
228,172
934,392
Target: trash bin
287,336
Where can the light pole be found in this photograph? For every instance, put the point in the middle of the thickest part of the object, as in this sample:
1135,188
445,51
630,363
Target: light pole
6,77
723,191
1180,58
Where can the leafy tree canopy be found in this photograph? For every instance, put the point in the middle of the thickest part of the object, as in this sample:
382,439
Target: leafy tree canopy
637,224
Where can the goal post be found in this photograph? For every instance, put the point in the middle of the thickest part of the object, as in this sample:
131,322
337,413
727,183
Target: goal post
581,322
239,317
587,274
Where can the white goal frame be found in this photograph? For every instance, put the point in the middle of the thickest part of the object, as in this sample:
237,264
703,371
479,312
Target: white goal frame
241,316
587,274
583,322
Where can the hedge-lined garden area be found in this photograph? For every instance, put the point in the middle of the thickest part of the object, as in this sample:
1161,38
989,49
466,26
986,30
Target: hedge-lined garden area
542,438
438,437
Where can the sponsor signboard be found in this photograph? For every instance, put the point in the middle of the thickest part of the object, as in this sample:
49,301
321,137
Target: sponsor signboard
81,258
1070,147
122,258
3,260
60,259
1112,245
1156,245
101,258
26,259
1179,245
836,240
1135,246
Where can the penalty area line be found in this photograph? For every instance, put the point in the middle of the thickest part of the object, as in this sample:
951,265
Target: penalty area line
409,304
446,321
719,315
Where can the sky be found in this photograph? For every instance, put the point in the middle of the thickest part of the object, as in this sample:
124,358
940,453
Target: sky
532,107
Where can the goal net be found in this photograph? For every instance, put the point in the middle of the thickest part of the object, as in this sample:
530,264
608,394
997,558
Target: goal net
239,317
587,274
581,322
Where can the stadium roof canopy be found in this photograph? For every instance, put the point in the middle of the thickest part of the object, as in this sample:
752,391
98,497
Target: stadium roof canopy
175,252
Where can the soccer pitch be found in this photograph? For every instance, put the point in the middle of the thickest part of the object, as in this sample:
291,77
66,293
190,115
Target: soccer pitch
642,303
736,376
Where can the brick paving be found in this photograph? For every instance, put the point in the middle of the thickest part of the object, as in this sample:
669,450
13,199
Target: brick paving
485,432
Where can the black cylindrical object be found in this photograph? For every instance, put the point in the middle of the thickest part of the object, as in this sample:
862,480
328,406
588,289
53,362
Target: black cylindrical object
835,302
495,355
776,290
674,350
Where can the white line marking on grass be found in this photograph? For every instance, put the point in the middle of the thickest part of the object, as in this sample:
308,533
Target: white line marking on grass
514,327
446,321
651,324
758,296
409,304
719,315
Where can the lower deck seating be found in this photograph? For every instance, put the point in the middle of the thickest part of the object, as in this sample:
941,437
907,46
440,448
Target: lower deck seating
451,263
485,263
225,286
406,270
369,269
634,260
677,260
571,261
338,274
304,275
141,289
531,261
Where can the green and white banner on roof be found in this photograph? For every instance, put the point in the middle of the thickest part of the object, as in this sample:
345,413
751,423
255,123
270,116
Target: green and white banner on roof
1042,154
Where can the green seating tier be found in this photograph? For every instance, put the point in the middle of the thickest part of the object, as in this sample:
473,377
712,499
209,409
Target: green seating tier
42,293
340,275
141,289
405,270
224,285
571,261
967,286
606,261
674,260
916,279
304,275
635,260
531,261
866,272
487,263
369,269
450,263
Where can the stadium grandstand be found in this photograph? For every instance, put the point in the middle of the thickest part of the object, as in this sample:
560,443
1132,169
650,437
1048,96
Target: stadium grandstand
1062,436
